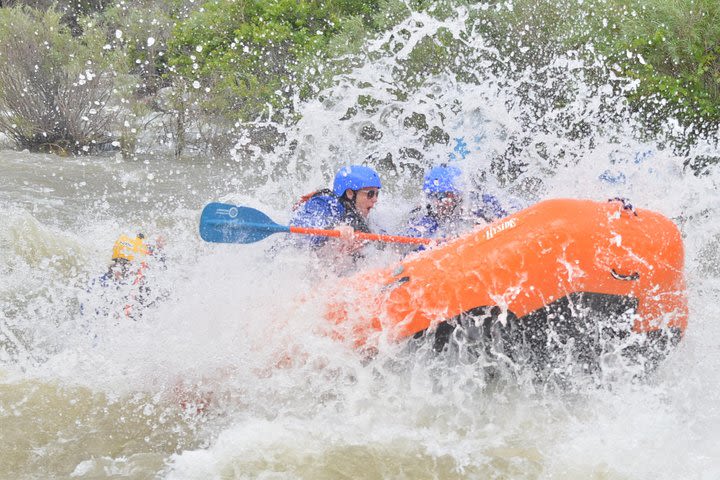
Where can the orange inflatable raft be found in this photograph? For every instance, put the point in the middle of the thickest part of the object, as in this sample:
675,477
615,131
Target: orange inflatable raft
562,273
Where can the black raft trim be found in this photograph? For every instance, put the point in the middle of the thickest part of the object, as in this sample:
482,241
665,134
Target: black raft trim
582,322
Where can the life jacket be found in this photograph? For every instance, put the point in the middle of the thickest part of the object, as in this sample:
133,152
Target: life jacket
346,214
426,222
487,207
422,223
304,199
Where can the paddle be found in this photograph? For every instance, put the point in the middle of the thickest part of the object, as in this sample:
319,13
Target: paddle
224,223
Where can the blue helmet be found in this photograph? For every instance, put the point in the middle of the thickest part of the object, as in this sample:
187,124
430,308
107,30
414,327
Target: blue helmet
355,177
442,179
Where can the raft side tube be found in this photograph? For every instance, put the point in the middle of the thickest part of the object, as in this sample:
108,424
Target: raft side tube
524,263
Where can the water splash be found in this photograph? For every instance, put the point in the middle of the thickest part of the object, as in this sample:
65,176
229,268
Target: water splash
234,312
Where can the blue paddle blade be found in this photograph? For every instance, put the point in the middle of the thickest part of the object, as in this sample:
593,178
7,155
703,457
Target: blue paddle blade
224,223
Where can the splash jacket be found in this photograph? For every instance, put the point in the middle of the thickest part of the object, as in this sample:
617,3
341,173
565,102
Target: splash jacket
425,222
323,209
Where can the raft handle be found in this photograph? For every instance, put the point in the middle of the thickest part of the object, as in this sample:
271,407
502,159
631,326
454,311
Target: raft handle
632,277
394,284
625,203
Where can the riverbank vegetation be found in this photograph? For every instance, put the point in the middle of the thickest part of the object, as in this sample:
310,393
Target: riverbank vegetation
78,77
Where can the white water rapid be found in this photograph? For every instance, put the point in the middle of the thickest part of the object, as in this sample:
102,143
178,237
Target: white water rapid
89,394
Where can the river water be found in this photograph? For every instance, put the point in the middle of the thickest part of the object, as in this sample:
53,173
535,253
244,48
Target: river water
85,393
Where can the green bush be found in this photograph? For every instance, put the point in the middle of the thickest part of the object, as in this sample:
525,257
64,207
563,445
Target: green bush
230,61
55,89
662,55
673,49
142,29
247,58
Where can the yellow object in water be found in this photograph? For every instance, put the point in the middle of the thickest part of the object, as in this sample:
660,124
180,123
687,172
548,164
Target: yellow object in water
129,248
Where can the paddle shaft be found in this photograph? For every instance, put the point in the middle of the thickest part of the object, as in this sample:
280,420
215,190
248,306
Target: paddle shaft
361,235
225,223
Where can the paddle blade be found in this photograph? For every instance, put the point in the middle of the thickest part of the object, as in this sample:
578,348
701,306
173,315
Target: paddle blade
224,223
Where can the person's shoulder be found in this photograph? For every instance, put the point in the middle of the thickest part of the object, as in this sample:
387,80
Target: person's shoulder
102,281
421,223
323,205
486,206
320,211
321,200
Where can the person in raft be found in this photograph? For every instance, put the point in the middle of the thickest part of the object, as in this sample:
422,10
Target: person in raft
444,214
345,208
127,270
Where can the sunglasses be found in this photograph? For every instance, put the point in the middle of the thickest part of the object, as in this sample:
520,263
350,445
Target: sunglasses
371,193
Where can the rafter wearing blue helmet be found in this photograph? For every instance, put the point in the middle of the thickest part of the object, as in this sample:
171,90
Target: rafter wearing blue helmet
355,191
444,213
